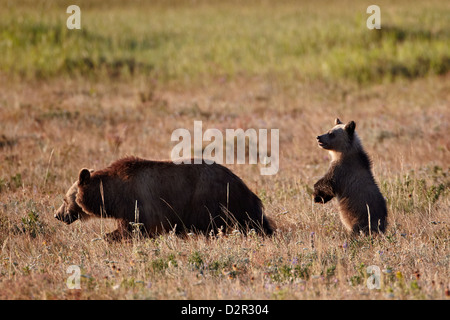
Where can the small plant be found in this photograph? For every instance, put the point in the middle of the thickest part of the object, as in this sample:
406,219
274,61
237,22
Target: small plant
290,270
2,184
159,265
16,181
196,260
32,225
360,276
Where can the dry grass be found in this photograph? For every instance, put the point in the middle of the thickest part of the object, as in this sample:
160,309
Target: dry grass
49,130
135,73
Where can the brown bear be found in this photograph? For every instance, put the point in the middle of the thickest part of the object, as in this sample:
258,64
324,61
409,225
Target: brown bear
180,197
350,179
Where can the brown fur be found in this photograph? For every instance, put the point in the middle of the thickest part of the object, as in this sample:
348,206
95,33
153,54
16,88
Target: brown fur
350,179
183,197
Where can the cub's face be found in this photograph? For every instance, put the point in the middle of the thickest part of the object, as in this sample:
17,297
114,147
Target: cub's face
70,211
338,138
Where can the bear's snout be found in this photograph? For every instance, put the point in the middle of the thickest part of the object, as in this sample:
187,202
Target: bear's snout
321,141
61,215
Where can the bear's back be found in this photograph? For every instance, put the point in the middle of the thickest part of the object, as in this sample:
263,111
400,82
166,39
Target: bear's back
186,195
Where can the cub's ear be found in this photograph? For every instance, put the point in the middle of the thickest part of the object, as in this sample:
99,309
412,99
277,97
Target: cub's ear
84,177
337,121
350,128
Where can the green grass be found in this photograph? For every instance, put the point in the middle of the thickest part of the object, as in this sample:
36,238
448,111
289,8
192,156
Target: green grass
106,91
183,42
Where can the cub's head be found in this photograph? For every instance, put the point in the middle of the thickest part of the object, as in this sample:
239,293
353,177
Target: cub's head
340,138
70,210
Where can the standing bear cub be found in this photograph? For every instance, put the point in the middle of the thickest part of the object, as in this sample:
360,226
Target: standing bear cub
168,196
350,179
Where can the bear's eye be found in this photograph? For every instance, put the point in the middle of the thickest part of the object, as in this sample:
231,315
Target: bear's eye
331,134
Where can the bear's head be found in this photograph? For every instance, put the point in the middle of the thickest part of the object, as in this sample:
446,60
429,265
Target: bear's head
340,138
71,210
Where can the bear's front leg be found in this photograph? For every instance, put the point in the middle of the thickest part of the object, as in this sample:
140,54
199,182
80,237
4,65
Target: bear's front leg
116,235
123,232
323,191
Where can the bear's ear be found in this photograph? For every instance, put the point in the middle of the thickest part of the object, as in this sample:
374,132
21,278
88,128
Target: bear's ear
350,128
337,121
84,177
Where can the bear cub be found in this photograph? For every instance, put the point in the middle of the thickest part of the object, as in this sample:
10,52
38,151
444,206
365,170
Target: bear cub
349,178
167,196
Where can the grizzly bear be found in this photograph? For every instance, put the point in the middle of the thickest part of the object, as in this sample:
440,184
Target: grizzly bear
167,196
350,179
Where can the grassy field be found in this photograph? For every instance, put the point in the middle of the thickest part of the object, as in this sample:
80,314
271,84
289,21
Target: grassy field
189,41
134,73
